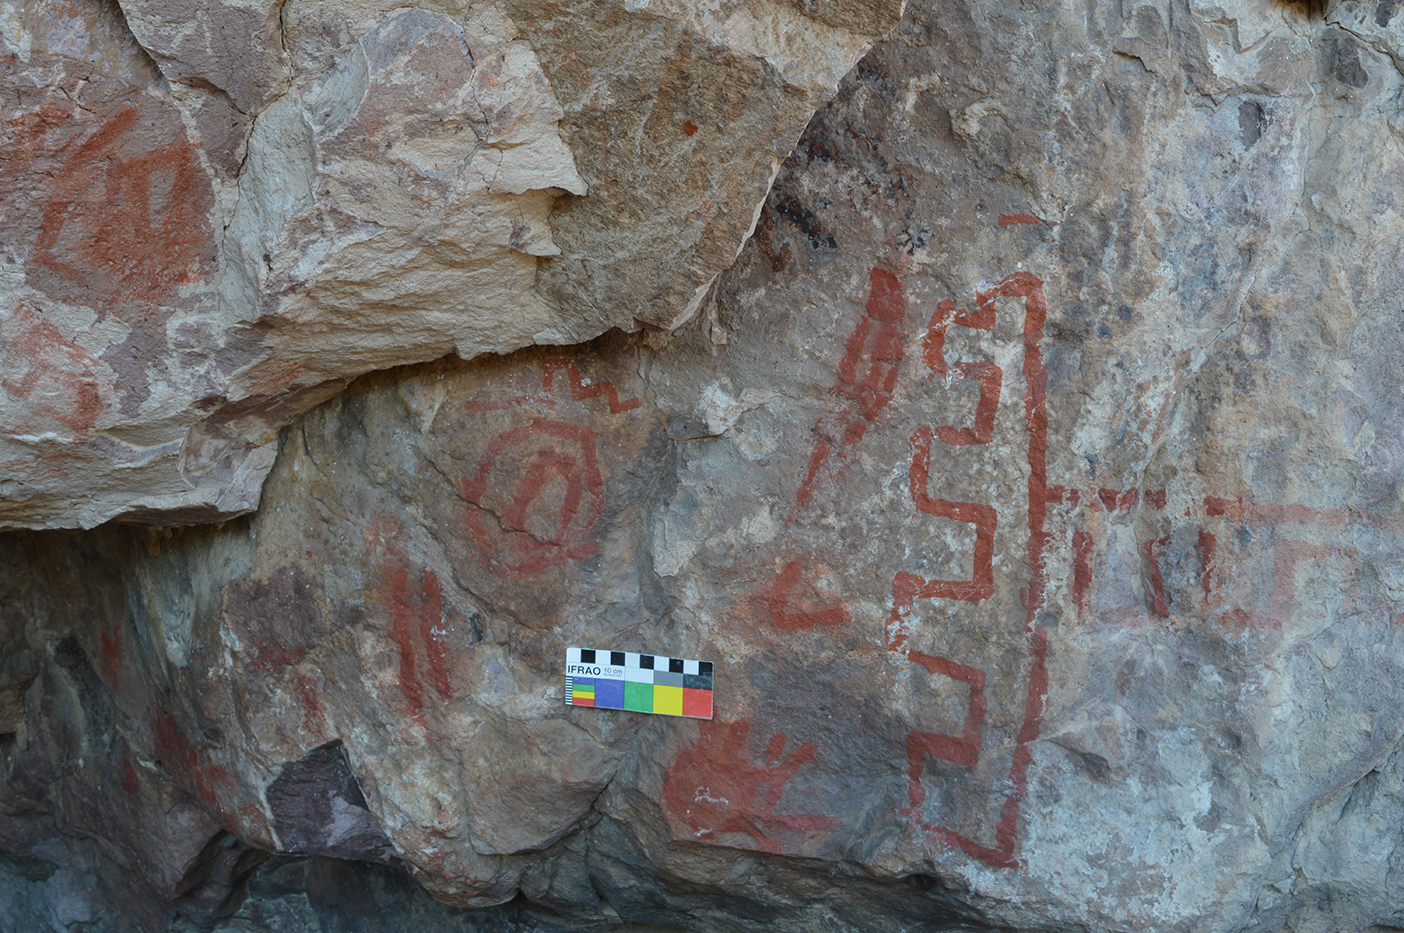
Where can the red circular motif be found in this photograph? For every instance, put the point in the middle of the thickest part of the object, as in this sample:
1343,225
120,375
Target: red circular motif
537,495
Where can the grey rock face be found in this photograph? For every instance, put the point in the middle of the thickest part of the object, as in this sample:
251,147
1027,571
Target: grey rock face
1031,479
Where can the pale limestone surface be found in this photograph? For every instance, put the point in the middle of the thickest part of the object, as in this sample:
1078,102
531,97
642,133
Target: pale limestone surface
217,214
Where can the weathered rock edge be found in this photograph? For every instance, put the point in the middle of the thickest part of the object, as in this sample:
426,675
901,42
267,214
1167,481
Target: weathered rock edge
216,214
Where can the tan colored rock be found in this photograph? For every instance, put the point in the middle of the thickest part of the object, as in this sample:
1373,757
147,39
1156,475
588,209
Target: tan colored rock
216,217
1033,479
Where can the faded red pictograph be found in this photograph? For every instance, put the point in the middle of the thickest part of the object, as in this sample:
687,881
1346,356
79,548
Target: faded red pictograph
538,491
27,138
794,603
1156,575
1285,554
418,625
1208,547
714,790
314,715
531,529
212,781
110,659
965,749
1082,569
1289,554
124,221
54,377
130,785
867,375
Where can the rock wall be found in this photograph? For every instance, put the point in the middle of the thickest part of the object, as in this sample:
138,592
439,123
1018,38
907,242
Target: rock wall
217,214
1031,478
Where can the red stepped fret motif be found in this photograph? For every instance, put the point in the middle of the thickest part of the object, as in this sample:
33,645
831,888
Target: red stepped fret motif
965,750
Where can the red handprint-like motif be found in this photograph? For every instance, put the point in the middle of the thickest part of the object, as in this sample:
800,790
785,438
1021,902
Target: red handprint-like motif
712,791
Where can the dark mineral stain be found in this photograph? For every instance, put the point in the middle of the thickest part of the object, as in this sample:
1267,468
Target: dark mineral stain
277,617
1384,11
818,143
805,222
1252,118
1097,767
1208,822
318,809
95,707
1343,60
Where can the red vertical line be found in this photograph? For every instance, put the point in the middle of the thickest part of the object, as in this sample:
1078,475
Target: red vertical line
431,618
1036,418
401,633
1082,570
822,449
1023,749
1208,544
1157,579
313,718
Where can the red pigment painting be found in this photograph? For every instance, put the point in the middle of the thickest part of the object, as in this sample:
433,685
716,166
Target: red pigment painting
965,749
538,491
1287,554
412,597
212,782
52,375
794,604
716,789
125,221
867,374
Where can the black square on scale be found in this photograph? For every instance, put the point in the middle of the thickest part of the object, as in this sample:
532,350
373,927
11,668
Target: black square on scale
646,661
675,666
704,667
587,655
616,658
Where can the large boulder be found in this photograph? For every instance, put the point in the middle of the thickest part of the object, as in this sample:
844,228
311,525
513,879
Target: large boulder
217,214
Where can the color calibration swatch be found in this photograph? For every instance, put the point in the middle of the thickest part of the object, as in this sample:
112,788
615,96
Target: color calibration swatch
644,683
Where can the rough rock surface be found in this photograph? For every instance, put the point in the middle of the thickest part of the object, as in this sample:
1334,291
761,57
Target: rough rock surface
216,214
1032,479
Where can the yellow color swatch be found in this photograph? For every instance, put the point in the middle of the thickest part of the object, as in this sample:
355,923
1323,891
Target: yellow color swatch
667,700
